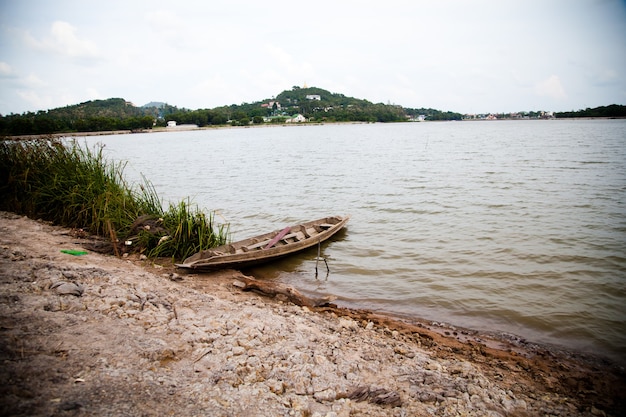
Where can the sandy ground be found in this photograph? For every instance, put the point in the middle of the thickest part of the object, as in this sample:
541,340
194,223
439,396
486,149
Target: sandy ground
98,335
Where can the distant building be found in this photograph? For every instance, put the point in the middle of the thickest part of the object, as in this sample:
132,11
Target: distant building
298,118
313,97
271,105
172,125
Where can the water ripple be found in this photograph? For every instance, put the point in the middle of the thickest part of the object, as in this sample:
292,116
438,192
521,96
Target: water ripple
514,226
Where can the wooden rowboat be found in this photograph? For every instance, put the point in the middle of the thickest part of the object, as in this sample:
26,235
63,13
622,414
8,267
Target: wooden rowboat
266,247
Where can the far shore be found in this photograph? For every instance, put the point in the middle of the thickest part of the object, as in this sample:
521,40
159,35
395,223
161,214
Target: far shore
179,128
185,128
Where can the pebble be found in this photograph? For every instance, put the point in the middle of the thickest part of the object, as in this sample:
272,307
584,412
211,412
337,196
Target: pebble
67,288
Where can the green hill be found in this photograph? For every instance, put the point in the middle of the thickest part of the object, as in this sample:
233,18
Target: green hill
316,104
156,104
322,105
319,105
113,107
90,116
612,111
96,115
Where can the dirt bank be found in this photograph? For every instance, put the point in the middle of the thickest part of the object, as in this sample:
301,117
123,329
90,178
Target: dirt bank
97,335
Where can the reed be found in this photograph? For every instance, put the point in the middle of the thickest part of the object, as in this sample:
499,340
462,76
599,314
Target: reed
188,231
76,186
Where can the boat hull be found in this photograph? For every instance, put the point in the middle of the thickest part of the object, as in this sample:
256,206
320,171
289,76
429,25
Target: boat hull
267,247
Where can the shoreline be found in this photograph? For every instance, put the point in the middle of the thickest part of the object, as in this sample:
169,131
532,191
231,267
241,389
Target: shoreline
450,332
92,334
497,337
183,128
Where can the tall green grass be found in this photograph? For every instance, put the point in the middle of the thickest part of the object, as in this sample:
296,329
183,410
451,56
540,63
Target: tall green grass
75,186
189,231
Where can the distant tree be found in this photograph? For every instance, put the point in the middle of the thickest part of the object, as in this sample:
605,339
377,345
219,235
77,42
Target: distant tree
117,113
238,114
244,121
219,118
614,110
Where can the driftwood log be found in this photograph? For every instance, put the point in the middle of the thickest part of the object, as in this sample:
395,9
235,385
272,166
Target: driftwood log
274,289
380,396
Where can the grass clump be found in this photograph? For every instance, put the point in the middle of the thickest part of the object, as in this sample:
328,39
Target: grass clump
182,230
77,187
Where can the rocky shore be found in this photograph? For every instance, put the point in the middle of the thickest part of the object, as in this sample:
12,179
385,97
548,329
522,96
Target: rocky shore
95,335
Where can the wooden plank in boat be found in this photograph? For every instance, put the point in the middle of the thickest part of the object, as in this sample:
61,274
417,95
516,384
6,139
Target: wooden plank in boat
290,235
257,245
278,237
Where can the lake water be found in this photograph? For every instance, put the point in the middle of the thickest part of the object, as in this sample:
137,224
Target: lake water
513,226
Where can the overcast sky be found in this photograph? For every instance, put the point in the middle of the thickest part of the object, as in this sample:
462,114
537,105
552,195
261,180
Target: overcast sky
467,56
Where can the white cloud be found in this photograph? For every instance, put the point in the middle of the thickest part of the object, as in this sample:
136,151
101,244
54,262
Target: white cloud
217,86
33,81
164,21
551,87
93,94
167,25
66,41
285,62
35,100
6,71
63,40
